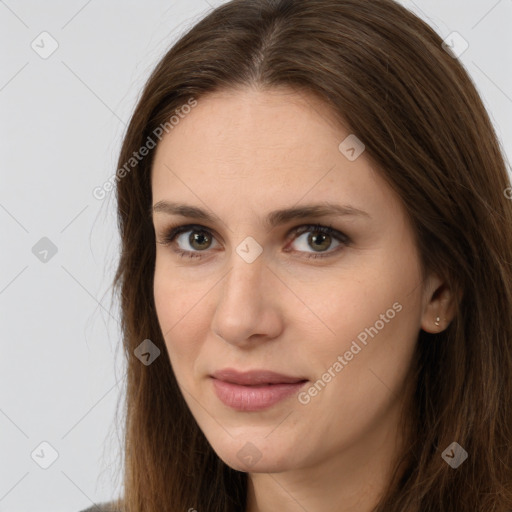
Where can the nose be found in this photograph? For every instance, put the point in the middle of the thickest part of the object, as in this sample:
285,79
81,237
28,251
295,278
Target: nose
248,305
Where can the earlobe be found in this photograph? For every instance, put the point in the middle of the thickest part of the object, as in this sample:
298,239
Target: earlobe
440,306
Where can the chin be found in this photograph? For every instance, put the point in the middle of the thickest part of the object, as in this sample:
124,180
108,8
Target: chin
252,454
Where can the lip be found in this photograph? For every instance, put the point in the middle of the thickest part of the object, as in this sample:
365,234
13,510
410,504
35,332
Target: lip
254,390
254,377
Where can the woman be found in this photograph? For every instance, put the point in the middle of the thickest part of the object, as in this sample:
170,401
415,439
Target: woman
315,275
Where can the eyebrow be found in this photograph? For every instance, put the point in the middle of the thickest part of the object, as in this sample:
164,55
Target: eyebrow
273,219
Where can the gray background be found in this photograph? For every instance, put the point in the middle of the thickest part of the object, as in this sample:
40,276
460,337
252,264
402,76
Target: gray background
62,120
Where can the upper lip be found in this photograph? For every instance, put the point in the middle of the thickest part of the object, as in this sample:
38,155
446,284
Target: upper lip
254,377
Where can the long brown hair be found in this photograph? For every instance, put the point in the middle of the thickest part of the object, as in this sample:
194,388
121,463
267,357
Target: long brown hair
387,77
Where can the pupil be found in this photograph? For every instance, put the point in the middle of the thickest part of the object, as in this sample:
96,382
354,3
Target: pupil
199,238
316,238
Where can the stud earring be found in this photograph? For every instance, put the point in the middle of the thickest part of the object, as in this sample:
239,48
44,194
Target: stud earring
437,321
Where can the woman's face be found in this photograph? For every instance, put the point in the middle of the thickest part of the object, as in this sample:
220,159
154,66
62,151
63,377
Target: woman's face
254,297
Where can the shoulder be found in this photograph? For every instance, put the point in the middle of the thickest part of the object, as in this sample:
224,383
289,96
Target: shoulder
107,506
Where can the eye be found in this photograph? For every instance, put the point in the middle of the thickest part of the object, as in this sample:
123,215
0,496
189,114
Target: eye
198,238
320,238
190,240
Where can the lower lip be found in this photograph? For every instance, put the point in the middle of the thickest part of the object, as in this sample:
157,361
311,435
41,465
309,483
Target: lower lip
253,398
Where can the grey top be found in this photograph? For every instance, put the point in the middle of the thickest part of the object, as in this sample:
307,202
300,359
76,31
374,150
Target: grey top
106,506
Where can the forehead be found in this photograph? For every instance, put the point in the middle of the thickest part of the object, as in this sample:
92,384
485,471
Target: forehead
252,126
253,147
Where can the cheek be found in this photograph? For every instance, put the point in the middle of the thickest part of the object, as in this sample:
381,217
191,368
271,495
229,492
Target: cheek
376,351
177,300
178,309
167,302
372,316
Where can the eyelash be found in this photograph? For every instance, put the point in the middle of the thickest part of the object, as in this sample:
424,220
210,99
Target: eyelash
172,232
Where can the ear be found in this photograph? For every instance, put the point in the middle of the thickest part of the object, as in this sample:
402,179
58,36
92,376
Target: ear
439,301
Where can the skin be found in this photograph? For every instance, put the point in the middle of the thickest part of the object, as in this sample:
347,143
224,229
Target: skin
241,154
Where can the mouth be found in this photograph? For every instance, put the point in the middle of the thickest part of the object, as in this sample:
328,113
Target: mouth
255,377
255,390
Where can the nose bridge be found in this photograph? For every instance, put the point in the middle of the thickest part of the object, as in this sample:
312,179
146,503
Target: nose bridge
247,265
242,284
